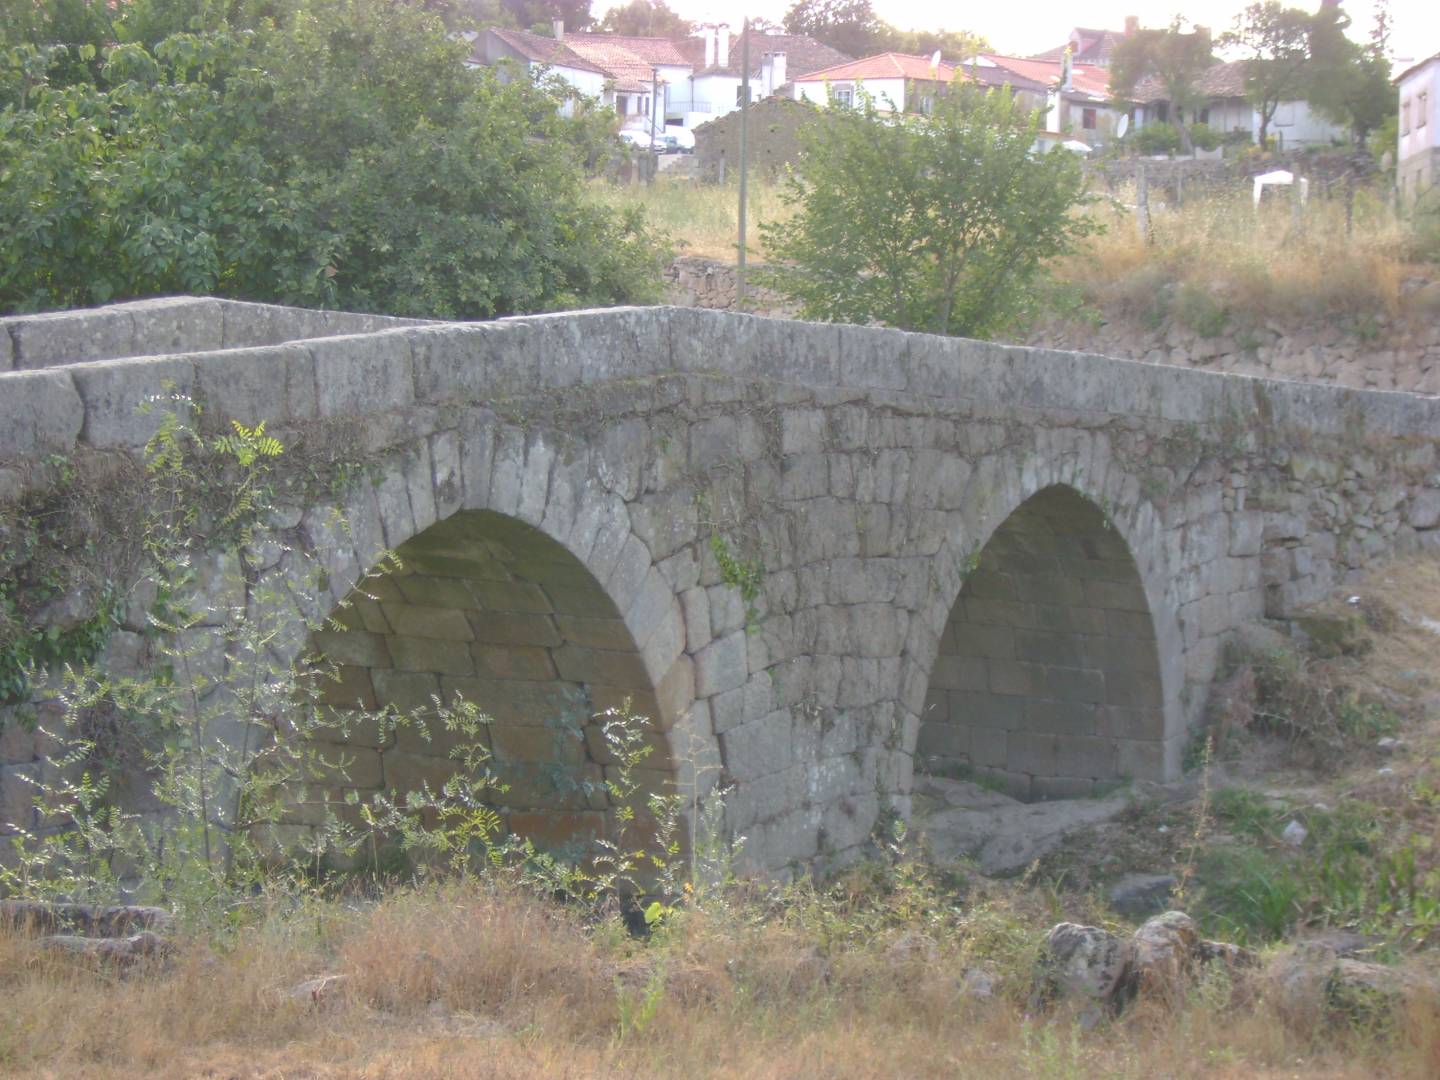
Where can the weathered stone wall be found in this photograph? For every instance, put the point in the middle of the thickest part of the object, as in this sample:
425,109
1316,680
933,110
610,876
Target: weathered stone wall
691,281
860,475
1399,352
772,139
167,325
1396,352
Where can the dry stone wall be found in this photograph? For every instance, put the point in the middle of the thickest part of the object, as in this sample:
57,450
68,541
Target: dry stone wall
773,526
1395,353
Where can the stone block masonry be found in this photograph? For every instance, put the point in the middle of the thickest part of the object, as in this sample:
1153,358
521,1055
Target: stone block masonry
812,554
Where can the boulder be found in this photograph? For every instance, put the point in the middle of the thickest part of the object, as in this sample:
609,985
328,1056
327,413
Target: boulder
1310,985
1085,964
1162,953
120,951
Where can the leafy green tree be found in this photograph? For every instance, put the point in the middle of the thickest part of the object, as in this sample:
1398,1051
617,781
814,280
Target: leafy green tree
1350,83
1174,57
337,153
848,25
1276,40
939,223
645,18
954,45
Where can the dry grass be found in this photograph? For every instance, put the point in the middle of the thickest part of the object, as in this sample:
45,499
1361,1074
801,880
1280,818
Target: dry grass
1214,263
481,980
863,978
700,219
1250,265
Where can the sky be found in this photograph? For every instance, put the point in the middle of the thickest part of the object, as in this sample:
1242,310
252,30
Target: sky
1022,27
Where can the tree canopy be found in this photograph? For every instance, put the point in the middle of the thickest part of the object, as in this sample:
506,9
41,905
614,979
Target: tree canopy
1276,40
330,152
940,223
1174,56
1349,82
853,27
644,18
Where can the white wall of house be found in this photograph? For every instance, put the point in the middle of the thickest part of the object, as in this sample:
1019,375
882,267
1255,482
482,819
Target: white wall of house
1417,172
590,84
888,93
1420,110
1296,124
710,95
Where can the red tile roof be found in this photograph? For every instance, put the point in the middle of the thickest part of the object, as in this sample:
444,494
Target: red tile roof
544,50
630,61
888,65
1093,82
1094,46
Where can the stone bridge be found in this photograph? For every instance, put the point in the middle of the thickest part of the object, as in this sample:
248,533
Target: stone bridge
819,557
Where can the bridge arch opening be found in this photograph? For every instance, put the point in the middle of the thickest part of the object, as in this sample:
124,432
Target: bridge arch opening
1047,679
489,608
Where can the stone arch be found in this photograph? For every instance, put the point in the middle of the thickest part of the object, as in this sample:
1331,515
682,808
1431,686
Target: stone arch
1052,674
523,588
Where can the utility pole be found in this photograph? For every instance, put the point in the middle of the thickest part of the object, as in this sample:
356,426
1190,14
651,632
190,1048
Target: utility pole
744,155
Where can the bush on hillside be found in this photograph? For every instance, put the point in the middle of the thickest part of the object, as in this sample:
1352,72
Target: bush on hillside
1157,139
940,223
334,153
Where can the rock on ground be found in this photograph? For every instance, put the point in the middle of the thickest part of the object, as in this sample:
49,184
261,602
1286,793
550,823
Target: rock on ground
1001,834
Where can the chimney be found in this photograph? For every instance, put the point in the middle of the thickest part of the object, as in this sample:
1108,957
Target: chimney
709,32
722,45
557,29
1132,24
777,71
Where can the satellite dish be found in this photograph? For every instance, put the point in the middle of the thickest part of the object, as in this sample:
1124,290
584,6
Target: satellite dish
1122,127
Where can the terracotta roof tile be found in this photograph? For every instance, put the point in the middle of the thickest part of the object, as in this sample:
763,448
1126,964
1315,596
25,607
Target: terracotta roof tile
888,65
544,50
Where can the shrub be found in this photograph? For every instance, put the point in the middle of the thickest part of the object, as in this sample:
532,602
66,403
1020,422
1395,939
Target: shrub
1159,138
938,223
337,153
1204,137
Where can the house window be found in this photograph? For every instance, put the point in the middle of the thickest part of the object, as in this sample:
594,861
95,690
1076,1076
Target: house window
1422,107
1405,117
1162,111
1205,116
1087,119
740,94
927,104
845,97
622,103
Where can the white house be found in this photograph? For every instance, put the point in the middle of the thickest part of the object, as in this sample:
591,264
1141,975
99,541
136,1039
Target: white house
1417,164
714,88
540,56
652,82
1228,111
897,82
1075,98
